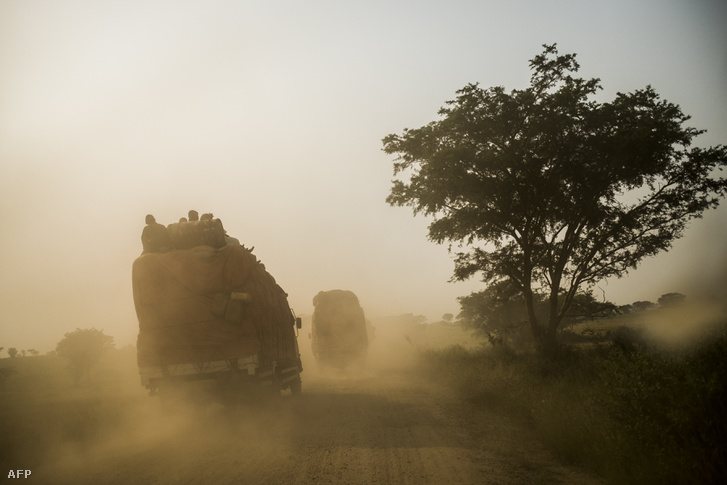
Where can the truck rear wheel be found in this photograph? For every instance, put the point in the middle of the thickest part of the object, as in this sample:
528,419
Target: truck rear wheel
296,386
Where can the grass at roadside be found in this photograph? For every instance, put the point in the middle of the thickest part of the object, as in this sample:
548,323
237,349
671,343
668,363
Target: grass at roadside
649,416
43,414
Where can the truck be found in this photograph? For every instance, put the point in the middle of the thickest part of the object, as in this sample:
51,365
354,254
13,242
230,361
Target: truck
338,330
210,313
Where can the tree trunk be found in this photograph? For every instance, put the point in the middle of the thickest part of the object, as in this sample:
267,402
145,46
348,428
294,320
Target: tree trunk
535,327
546,341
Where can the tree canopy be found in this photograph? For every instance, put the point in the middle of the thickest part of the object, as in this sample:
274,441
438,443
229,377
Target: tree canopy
549,190
83,348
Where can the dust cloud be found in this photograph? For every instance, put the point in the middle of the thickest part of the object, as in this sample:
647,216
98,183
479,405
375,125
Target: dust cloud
683,324
109,430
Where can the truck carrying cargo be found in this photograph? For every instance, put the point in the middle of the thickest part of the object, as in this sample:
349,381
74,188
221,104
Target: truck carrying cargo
213,314
338,330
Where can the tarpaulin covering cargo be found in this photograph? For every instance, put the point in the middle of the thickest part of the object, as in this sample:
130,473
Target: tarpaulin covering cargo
204,304
338,331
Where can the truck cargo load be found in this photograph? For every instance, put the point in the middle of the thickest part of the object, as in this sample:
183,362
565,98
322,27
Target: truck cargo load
213,313
338,329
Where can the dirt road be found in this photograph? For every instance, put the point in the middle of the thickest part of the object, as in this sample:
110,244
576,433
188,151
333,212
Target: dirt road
388,427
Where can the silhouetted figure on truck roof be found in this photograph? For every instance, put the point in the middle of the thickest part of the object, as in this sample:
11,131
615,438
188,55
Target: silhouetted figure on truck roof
154,237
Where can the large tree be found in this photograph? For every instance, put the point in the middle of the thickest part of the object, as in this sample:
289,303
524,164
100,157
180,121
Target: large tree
549,190
83,348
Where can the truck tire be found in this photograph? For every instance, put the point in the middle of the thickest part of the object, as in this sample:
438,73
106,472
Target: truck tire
296,386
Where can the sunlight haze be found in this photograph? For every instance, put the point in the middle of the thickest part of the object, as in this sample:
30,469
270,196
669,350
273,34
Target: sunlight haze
270,115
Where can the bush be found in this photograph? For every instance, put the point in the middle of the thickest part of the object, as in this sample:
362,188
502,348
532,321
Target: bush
671,406
631,415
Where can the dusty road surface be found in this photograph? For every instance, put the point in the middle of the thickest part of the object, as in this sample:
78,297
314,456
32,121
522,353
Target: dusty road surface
385,427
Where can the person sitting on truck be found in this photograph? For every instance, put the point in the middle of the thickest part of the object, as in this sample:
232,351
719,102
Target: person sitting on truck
154,237
189,235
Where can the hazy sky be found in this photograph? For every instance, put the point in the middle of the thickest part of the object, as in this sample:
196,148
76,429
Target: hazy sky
270,114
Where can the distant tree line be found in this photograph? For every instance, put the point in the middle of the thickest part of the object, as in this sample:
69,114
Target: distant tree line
499,314
13,352
82,349
665,301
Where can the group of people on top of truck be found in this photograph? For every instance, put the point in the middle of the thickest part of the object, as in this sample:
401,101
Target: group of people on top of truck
185,234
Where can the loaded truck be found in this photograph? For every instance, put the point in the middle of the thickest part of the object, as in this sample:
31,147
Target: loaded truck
210,313
338,330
